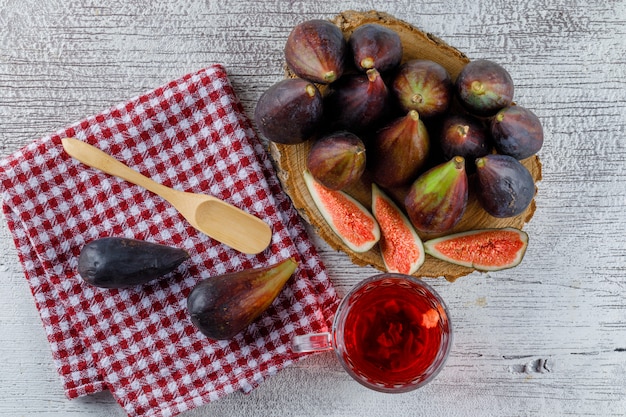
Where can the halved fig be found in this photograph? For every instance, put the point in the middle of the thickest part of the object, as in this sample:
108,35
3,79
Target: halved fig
348,218
400,246
483,249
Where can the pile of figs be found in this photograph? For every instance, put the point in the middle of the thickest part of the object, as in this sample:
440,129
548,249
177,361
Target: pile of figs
404,124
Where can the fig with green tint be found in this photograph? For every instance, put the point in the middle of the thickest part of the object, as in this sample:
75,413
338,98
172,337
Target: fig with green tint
437,199
425,86
517,132
315,51
399,151
357,101
375,46
289,112
116,262
465,136
506,188
484,87
337,160
222,306
483,249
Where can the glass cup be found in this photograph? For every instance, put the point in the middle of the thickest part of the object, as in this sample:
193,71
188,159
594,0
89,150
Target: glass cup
391,333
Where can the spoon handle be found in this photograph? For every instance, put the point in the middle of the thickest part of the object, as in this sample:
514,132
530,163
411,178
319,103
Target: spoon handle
95,158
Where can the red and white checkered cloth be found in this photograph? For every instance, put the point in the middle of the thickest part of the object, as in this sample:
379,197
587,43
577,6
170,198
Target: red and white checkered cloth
139,343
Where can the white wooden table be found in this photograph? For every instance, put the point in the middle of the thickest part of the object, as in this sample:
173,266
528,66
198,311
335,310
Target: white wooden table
547,338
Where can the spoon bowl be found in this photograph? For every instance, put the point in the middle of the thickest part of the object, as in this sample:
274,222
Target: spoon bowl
216,218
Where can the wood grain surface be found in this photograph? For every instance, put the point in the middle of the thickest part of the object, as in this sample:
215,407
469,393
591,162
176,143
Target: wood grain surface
547,338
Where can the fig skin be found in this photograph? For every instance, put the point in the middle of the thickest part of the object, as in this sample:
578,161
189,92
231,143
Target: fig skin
357,102
289,112
437,199
399,151
484,87
337,160
425,86
116,262
222,306
315,51
464,135
375,46
517,132
505,187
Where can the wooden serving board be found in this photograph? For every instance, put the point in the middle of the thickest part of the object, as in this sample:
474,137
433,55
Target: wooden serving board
290,160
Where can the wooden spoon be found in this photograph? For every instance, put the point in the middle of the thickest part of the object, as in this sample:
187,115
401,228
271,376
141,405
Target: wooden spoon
218,219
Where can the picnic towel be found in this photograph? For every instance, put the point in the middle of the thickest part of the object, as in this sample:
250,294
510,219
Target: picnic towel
190,134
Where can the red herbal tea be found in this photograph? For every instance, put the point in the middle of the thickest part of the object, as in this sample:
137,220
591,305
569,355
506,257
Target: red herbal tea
391,333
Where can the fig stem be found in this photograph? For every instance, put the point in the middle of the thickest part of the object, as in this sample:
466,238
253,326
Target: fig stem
417,99
330,76
310,90
372,74
478,87
367,63
459,162
413,114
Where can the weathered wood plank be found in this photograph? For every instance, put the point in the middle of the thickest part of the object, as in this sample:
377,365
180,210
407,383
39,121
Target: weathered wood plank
546,338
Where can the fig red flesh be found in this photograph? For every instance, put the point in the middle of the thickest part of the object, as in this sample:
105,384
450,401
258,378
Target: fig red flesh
400,246
348,218
485,249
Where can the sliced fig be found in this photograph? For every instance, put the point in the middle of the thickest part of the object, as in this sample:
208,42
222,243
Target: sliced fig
337,160
505,186
315,51
289,112
357,101
117,262
484,249
437,199
465,136
375,46
484,87
425,86
350,221
222,306
400,246
517,132
399,151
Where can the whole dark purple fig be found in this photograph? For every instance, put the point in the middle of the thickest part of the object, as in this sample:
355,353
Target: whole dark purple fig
357,101
437,199
465,136
484,87
117,262
315,51
375,46
517,132
337,160
505,186
399,150
289,112
425,86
